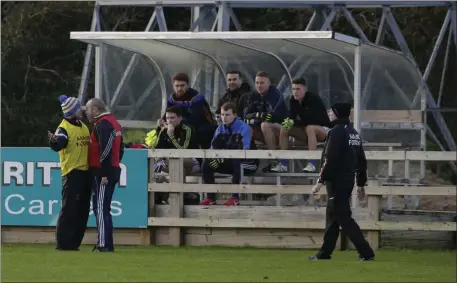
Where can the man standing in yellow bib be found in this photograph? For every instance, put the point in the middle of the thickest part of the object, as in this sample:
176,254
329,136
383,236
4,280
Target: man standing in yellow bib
71,141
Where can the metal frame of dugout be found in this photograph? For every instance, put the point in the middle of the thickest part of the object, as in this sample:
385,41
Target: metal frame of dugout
358,57
393,100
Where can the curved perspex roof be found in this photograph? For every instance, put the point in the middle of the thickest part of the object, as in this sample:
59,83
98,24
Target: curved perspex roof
378,79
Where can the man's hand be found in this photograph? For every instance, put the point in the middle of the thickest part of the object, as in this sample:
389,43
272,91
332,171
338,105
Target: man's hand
215,163
51,136
161,123
267,117
317,187
104,181
360,193
160,165
170,130
287,124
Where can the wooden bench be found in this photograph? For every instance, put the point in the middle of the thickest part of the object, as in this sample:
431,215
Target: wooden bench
175,224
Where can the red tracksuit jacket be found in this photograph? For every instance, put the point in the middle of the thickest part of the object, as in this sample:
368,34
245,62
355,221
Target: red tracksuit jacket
106,147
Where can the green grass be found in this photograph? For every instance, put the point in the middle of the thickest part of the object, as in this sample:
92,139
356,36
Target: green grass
38,262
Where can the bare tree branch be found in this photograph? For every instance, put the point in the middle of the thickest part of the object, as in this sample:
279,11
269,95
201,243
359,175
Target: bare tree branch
26,78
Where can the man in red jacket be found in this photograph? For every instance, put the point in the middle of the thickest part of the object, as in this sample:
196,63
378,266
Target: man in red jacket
105,153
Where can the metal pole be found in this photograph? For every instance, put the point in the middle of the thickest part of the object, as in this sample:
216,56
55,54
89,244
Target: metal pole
89,57
98,71
357,88
357,98
366,93
353,23
443,75
453,10
429,98
328,21
436,48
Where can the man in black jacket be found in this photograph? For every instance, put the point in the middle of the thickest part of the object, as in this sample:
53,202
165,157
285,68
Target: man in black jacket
237,92
343,157
176,135
308,121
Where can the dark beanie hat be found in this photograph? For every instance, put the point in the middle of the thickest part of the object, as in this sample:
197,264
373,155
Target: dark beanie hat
342,110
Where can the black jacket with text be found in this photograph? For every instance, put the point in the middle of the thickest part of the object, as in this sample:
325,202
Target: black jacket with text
343,156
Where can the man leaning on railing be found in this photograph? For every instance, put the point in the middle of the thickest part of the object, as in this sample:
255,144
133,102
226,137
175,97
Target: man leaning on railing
232,134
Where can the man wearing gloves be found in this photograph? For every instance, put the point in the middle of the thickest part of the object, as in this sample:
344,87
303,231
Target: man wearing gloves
71,141
308,121
232,134
343,157
264,112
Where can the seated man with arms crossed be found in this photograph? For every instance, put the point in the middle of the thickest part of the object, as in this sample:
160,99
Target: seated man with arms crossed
232,134
264,112
176,135
308,120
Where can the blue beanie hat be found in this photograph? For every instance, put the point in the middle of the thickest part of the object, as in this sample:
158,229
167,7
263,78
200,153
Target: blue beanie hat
69,105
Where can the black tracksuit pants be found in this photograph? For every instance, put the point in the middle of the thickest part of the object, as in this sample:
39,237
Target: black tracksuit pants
238,168
338,213
101,204
73,216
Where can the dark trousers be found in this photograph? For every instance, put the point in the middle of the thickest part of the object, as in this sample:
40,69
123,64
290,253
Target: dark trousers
103,194
338,214
74,213
238,168
205,135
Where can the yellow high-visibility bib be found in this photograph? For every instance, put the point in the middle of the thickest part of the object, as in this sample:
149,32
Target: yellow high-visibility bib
76,154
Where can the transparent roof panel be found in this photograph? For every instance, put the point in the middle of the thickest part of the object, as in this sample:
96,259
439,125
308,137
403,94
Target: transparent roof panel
389,80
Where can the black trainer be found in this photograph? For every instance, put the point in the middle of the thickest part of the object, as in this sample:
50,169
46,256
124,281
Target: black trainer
370,258
67,250
267,169
315,257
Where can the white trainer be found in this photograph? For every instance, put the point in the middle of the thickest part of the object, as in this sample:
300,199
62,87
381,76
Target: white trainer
279,168
310,168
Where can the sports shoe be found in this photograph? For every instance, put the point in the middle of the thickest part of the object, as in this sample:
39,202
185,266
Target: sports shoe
195,168
315,257
232,201
98,249
370,258
279,168
207,201
310,168
67,250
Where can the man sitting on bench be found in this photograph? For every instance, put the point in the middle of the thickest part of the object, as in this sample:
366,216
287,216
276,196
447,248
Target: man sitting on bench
308,120
175,134
232,134
264,112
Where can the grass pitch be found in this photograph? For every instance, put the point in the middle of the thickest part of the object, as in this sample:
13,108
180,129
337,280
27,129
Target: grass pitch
41,263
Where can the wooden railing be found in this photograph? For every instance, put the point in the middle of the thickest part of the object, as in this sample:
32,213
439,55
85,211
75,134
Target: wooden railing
176,216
